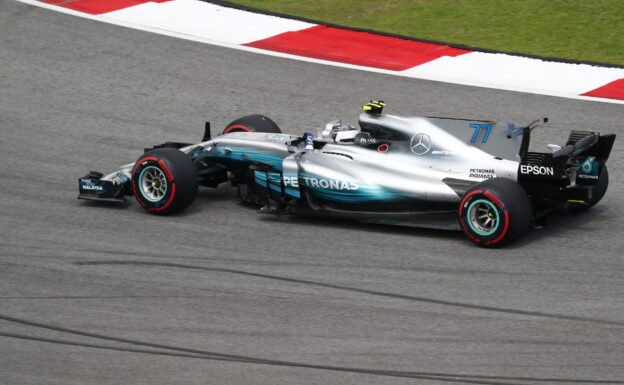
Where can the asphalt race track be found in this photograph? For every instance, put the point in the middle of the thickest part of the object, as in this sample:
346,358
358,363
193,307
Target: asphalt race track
102,294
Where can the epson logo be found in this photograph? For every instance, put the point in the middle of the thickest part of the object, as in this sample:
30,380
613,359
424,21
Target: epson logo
536,170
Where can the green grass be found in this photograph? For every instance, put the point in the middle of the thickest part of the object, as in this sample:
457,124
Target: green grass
591,30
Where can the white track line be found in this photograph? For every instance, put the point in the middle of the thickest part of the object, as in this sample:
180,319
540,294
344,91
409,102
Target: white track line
446,69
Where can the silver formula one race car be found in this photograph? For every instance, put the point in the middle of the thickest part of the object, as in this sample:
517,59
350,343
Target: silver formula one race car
470,175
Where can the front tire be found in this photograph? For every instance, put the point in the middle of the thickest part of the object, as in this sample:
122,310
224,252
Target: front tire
164,181
495,212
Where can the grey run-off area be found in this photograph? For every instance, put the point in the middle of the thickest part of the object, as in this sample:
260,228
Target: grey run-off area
93,294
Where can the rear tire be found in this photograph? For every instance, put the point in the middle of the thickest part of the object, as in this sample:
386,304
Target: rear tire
495,212
249,123
252,123
164,181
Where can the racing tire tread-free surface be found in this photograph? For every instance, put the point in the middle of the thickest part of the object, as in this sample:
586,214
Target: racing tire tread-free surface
505,202
164,181
252,123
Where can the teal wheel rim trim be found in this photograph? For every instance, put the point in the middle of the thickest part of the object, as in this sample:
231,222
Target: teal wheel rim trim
483,217
153,184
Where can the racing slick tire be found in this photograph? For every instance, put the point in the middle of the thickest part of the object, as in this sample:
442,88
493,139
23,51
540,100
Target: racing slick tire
599,191
252,123
164,181
495,212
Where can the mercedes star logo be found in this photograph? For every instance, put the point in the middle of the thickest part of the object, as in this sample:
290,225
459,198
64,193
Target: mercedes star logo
420,144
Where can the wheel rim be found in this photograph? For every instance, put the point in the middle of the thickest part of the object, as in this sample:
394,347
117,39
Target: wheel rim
153,184
483,217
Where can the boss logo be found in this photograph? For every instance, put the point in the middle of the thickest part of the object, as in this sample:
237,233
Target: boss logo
527,169
368,141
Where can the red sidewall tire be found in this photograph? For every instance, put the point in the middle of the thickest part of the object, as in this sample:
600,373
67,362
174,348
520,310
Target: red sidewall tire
505,202
502,215
252,123
178,173
170,194
237,128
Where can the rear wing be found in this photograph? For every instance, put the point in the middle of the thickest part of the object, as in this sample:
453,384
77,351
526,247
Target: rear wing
584,155
567,174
